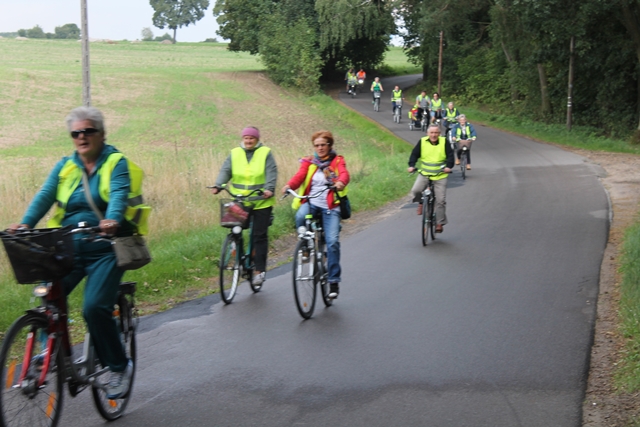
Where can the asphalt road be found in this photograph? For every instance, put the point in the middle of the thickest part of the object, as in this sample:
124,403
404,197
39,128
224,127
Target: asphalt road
489,326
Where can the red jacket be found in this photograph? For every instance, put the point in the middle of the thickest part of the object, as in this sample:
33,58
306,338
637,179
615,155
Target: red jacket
338,166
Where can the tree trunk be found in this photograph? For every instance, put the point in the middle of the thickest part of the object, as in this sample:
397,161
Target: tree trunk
514,90
570,89
174,35
544,93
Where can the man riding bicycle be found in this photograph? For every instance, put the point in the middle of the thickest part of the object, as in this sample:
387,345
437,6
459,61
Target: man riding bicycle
435,160
464,134
396,97
436,107
423,103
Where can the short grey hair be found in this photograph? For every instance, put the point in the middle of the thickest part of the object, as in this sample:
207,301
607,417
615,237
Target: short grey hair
462,116
86,113
433,125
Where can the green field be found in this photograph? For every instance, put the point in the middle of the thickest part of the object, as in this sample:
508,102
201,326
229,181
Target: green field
176,110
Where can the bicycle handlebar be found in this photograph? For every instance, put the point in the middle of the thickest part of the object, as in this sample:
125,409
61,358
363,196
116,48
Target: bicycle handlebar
241,197
318,194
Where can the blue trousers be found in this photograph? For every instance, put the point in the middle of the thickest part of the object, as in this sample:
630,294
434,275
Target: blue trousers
331,226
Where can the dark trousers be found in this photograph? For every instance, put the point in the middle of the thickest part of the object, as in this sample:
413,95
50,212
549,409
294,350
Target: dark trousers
261,222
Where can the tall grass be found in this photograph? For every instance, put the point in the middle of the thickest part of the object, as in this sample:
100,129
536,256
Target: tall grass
176,110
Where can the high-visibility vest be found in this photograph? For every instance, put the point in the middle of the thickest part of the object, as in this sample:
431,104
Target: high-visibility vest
436,104
248,176
376,86
467,131
137,213
307,181
452,114
397,95
422,101
432,158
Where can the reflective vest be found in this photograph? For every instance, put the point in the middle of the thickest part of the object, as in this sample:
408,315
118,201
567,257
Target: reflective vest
466,130
397,95
307,181
361,74
452,114
432,158
423,102
248,176
436,104
375,86
137,213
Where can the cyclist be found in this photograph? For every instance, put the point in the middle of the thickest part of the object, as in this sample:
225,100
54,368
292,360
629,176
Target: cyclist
324,167
251,166
414,115
361,75
424,103
395,97
349,76
376,86
432,153
352,83
436,107
110,181
464,134
450,116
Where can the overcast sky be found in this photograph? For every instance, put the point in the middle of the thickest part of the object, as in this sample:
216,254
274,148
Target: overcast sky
108,19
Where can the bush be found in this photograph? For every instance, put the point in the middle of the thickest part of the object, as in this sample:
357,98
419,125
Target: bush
164,37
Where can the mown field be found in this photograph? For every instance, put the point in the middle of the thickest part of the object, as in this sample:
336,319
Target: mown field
176,110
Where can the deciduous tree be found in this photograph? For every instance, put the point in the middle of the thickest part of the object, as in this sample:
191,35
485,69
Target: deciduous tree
175,14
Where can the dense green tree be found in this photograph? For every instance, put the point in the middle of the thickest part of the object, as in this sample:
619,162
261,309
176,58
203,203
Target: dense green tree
67,31
175,14
36,33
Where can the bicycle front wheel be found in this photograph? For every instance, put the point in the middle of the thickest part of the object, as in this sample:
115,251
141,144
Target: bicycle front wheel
25,399
463,164
432,217
305,278
112,409
425,222
376,104
230,268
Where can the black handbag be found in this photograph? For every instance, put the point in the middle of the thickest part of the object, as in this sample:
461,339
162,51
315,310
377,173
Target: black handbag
345,207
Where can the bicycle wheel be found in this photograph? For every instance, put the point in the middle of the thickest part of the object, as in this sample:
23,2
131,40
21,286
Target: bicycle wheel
230,268
425,222
432,217
112,409
463,164
323,272
305,278
22,402
376,103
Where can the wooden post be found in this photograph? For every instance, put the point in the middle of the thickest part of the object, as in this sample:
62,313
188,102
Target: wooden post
86,81
440,65
570,91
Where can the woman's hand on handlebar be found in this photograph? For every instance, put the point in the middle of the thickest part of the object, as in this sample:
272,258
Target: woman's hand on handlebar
109,226
15,227
285,189
267,194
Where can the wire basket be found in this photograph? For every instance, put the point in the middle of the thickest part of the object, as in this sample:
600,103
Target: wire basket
41,255
234,214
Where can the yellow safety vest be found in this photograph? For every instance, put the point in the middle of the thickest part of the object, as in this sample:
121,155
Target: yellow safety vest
459,132
451,114
433,157
70,176
397,95
307,181
436,104
248,176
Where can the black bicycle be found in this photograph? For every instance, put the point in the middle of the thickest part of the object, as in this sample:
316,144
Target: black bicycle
464,151
234,261
310,262
428,201
36,358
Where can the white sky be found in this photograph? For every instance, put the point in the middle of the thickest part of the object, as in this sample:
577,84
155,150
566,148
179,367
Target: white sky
108,19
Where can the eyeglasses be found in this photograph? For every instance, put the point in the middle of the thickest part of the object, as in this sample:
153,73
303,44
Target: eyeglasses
87,132
320,145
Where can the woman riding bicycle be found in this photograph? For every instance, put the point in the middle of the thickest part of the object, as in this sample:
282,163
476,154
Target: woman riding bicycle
464,134
324,167
248,167
109,182
376,86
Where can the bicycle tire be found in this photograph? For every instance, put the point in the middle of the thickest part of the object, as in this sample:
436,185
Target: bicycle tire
432,217
323,273
230,268
23,403
376,103
463,164
425,223
305,278
112,409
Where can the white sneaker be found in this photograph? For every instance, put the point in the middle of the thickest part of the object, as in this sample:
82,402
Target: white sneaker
119,382
258,279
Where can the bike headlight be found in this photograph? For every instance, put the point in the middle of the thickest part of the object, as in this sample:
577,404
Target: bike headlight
41,291
302,229
236,230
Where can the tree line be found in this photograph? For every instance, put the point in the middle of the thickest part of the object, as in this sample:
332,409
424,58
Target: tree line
66,31
510,55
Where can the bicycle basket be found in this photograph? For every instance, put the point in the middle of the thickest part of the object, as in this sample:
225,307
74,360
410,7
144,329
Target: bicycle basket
233,214
41,255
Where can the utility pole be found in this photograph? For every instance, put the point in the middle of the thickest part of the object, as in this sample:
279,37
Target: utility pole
570,91
440,65
86,81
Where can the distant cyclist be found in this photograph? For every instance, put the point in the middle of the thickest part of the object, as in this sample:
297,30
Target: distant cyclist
436,107
396,96
464,134
376,86
414,114
451,114
350,75
424,103
361,75
434,159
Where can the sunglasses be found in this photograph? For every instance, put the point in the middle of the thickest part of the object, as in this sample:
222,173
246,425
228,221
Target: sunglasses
87,132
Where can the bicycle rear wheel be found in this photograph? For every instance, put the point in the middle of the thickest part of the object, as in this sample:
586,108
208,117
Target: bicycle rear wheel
323,272
305,278
425,222
112,409
22,402
376,104
230,268
432,217
463,164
